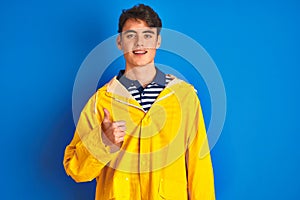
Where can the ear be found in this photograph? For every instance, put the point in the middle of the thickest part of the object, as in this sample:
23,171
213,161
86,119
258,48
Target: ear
119,42
158,42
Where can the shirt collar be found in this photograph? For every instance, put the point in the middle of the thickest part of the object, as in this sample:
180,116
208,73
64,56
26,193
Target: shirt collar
159,78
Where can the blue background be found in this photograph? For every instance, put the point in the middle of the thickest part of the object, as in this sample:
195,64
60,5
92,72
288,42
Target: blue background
255,45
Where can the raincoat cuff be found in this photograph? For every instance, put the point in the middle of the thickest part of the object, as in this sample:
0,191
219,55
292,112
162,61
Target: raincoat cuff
94,144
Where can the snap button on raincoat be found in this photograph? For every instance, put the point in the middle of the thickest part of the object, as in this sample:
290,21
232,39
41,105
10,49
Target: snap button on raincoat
165,153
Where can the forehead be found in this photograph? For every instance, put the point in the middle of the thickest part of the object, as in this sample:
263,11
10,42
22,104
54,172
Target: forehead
137,24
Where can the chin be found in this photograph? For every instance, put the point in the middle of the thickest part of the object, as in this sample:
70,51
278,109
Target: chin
141,64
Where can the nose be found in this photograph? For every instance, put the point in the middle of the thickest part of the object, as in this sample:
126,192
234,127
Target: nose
139,41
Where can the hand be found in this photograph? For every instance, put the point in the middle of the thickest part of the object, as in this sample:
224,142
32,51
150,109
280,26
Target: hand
114,132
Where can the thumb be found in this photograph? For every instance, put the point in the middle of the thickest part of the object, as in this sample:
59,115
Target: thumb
106,115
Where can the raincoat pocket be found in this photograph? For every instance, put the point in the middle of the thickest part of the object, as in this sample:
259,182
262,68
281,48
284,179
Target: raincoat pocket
170,189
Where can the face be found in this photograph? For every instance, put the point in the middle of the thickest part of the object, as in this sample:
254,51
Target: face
139,42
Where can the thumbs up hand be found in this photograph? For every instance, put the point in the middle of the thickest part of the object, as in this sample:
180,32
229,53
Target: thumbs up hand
114,132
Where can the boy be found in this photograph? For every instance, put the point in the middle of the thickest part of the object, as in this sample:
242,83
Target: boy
140,135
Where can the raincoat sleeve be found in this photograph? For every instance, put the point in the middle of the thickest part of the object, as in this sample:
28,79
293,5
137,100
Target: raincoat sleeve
199,167
87,155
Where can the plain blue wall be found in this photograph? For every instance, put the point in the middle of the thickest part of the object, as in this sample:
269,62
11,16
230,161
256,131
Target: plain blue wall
255,45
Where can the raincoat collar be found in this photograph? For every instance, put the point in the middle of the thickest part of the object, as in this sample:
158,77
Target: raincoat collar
118,92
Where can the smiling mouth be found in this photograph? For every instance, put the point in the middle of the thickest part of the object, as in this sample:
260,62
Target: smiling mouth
139,52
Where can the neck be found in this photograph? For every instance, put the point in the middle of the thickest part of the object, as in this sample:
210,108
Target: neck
144,74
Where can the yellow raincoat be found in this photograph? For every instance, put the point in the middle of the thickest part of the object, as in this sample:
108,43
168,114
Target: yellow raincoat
165,154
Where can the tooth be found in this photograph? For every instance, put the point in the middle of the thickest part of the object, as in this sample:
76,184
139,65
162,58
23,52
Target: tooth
139,52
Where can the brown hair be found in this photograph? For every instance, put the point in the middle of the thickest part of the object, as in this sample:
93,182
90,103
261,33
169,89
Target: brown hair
142,12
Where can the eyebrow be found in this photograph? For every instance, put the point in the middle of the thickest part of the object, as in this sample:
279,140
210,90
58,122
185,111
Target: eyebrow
148,31
129,31
132,31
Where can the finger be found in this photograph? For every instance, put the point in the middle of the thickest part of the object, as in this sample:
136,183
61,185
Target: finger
118,126
122,128
121,133
120,123
106,115
118,132
117,138
120,139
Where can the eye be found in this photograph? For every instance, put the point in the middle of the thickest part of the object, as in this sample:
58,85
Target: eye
130,36
147,36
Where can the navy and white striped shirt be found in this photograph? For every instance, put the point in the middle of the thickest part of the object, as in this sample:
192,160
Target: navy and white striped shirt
145,96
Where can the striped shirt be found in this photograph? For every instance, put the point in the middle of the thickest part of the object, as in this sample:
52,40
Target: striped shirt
145,96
